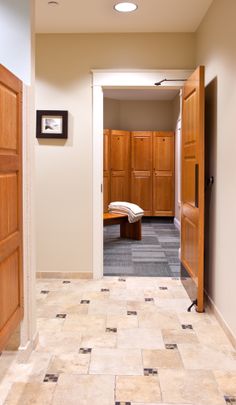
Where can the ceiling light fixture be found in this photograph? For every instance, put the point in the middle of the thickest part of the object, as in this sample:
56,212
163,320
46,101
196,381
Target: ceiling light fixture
53,3
125,7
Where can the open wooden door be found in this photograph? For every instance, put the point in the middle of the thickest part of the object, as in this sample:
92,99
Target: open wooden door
192,210
11,291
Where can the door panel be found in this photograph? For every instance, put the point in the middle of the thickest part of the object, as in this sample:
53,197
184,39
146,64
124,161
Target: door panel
141,170
11,267
163,174
106,170
164,194
120,165
141,190
192,210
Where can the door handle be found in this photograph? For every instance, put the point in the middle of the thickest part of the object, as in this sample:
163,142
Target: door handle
196,184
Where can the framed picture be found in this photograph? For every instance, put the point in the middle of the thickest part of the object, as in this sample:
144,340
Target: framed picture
51,124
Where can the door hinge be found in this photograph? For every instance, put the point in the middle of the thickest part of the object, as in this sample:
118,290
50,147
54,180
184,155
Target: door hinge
101,188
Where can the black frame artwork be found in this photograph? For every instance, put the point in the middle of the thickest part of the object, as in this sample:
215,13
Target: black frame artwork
52,124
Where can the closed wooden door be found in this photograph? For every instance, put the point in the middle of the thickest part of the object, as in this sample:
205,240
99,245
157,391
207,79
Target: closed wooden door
141,170
192,208
163,174
11,268
106,170
120,165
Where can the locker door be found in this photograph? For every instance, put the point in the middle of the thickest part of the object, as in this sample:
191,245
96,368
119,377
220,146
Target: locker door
163,174
120,165
141,170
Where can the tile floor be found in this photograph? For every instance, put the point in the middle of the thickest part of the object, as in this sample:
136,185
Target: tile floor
121,341
156,255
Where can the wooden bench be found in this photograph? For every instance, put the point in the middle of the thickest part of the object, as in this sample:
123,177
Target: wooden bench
127,230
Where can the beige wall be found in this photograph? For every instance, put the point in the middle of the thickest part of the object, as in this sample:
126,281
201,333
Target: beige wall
64,170
216,49
15,38
138,115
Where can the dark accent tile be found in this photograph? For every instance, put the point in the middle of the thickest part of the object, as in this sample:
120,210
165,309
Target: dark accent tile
150,371
187,326
175,278
122,403
84,301
163,288
84,350
149,299
66,282
44,291
105,290
230,400
171,346
121,279
131,312
112,330
51,378
63,316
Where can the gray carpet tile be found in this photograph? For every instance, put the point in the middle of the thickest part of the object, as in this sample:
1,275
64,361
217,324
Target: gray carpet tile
156,255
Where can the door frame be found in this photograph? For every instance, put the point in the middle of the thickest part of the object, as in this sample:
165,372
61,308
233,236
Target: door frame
140,79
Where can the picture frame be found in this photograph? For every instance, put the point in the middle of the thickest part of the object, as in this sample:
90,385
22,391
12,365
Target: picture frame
52,124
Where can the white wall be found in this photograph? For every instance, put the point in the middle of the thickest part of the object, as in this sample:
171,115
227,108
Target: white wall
138,115
216,50
15,38
64,170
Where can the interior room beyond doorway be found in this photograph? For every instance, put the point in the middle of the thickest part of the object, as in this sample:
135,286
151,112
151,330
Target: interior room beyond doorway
142,127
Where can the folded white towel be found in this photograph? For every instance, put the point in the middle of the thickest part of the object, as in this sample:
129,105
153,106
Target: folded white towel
133,211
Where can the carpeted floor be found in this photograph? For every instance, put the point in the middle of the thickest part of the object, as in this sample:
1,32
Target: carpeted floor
156,255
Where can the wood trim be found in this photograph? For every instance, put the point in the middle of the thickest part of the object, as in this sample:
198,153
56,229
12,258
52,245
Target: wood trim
64,275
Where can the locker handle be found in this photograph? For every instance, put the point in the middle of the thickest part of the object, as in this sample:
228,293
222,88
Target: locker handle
196,185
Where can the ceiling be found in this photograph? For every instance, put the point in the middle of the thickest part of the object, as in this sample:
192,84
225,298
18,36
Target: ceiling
138,94
98,16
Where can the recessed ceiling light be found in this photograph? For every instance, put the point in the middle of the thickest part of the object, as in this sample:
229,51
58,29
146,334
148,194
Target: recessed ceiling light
125,7
53,3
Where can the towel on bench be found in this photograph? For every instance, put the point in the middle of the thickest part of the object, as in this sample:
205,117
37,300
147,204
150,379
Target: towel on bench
133,211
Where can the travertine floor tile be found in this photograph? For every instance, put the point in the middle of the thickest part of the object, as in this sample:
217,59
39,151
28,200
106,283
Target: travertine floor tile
74,363
226,381
138,389
141,338
162,359
190,386
116,362
30,393
84,390
84,323
200,357
160,320
122,321
60,342
104,307
105,339
179,336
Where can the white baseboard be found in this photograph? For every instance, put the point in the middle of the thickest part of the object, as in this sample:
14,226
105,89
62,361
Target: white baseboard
213,308
177,223
25,351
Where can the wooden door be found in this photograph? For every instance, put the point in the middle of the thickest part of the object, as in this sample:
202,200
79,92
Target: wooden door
192,207
120,165
11,285
106,170
141,170
163,174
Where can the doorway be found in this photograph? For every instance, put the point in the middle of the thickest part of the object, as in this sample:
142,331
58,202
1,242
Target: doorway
139,167
118,79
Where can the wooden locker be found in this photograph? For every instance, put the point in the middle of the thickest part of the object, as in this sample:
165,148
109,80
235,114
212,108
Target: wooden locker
120,165
163,173
141,170
106,170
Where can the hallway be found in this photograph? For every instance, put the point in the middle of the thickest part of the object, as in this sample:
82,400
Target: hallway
121,341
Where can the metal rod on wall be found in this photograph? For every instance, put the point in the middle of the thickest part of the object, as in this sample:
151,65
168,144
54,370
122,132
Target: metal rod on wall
169,80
